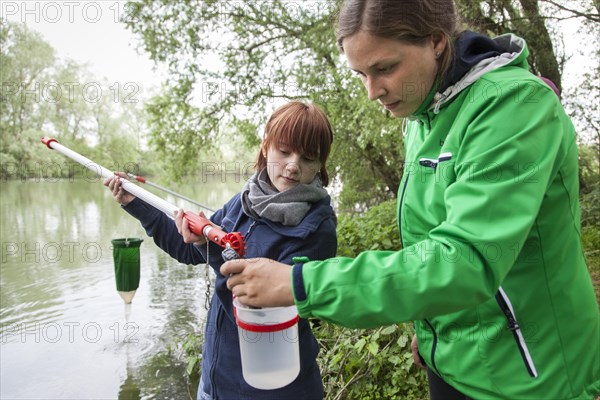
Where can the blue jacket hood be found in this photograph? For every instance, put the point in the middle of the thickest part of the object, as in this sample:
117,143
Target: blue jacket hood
470,48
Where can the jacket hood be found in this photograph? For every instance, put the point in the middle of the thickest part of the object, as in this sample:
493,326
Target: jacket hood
474,56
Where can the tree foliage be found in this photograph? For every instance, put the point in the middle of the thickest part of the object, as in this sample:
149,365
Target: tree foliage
231,62
24,60
44,95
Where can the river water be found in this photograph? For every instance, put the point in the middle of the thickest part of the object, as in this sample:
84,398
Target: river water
64,331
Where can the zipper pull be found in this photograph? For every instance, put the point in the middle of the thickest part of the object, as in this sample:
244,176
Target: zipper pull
513,325
427,162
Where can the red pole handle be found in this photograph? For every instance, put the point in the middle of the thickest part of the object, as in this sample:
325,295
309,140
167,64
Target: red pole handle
203,227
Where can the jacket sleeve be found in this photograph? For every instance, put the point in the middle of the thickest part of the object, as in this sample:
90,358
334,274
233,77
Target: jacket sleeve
215,251
462,261
163,231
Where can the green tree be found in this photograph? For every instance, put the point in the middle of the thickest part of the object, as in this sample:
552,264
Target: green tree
230,63
65,111
43,95
24,58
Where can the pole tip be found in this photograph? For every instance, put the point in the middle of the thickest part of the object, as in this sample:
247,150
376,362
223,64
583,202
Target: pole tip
46,140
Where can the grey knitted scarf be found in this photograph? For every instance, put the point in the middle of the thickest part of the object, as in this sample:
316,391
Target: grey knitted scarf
261,200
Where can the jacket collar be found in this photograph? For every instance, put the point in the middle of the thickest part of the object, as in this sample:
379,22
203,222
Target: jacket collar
474,56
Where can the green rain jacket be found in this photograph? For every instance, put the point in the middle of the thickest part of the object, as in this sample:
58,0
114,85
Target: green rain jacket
492,268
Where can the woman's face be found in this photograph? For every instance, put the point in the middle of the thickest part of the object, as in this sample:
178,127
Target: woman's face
287,168
397,74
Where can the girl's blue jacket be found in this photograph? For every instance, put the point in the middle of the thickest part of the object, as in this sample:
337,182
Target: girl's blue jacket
314,237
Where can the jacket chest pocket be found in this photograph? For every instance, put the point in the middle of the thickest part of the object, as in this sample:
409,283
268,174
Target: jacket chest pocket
423,197
436,174
432,178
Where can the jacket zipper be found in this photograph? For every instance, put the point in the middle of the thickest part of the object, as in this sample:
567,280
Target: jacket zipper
433,347
250,229
216,350
400,209
513,325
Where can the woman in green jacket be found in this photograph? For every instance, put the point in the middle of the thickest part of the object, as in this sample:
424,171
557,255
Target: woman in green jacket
492,268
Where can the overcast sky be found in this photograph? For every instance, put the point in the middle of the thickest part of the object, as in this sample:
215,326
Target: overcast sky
88,32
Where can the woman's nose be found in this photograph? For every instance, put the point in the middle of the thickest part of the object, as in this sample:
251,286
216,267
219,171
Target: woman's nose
292,167
293,163
374,89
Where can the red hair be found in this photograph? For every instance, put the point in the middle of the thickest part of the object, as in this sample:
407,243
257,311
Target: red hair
304,128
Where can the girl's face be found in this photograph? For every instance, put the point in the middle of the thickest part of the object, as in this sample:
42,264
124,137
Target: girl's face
287,168
397,74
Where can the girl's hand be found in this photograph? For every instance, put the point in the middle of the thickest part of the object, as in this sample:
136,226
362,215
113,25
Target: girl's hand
184,229
120,195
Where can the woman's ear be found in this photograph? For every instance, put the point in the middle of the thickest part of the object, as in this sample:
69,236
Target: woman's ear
439,42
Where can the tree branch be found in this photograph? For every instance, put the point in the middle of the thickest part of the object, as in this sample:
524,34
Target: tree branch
591,17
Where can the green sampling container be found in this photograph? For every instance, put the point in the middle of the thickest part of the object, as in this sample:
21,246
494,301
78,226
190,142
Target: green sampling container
126,255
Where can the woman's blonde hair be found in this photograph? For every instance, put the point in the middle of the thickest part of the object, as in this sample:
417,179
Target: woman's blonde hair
304,128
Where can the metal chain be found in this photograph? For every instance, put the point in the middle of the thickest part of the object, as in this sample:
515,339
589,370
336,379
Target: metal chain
207,278
228,254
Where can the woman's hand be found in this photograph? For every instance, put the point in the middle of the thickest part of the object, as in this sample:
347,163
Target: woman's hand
414,347
113,183
184,229
260,282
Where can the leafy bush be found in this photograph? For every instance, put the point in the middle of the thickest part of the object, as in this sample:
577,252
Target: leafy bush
590,207
189,349
377,229
590,233
369,364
